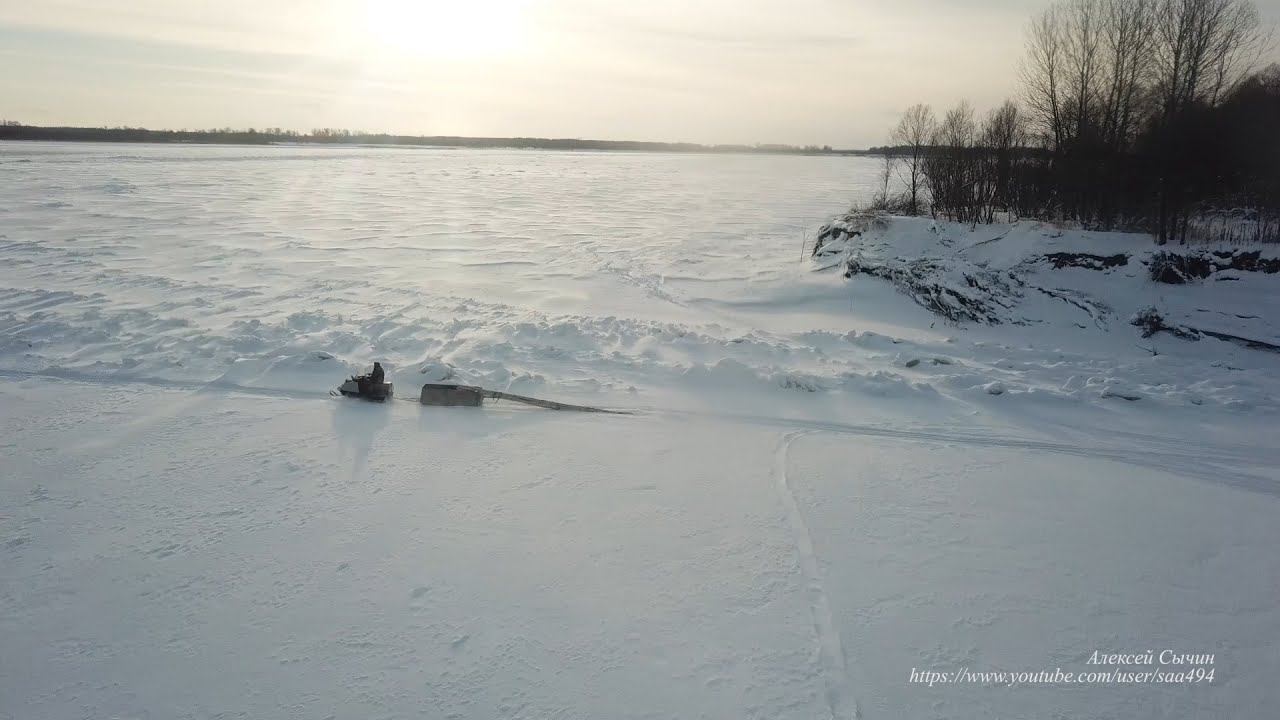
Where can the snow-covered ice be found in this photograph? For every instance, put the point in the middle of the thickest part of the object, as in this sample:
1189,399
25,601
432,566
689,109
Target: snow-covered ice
824,485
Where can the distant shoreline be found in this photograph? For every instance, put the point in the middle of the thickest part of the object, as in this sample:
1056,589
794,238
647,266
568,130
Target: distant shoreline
275,136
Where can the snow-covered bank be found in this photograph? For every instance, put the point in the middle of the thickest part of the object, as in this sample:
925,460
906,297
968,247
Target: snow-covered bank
1202,320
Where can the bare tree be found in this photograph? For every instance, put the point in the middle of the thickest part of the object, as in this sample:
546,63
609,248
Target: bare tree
914,132
1137,113
887,161
1000,141
1066,54
1083,53
1127,43
1086,65
1203,49
1042,71
950,168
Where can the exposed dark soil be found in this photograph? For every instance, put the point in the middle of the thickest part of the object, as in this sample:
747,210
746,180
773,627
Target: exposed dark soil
986,298
1178,268
1152,322
1087,261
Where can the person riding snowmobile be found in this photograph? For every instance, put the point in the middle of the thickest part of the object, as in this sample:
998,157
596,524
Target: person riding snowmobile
371,384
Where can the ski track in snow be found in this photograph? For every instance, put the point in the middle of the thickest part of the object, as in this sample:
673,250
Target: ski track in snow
831,654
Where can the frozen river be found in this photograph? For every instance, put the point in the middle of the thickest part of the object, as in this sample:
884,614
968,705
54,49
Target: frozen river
823,491
195,256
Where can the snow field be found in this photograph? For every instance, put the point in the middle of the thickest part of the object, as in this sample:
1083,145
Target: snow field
823,485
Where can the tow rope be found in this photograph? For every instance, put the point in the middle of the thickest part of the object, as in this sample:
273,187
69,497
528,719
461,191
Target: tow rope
474,396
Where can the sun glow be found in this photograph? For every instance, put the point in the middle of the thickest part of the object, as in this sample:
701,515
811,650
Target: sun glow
444,29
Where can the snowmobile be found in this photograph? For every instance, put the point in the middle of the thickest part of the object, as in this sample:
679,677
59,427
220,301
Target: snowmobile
370,387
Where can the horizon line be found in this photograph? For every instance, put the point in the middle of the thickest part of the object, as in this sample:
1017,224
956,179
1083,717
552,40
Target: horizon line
14,130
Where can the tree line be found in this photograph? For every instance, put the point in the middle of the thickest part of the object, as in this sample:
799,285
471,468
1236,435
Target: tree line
13,130
1132,114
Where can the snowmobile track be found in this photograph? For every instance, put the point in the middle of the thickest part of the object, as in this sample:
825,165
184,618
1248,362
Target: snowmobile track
831,653
1219,465
1214,466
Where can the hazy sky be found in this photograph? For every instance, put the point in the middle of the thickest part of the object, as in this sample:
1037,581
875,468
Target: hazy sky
742,71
